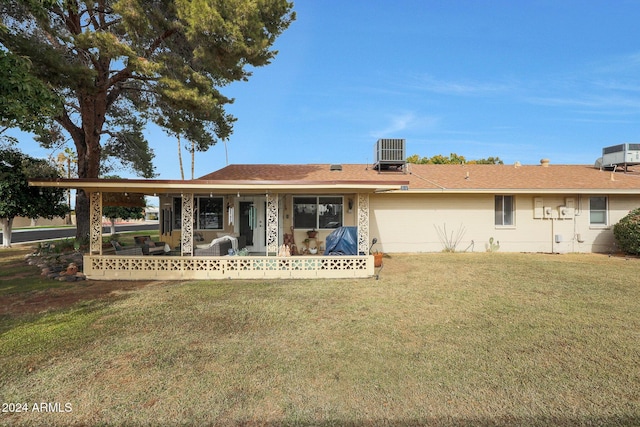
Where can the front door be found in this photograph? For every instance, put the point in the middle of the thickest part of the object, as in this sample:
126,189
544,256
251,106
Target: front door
252,222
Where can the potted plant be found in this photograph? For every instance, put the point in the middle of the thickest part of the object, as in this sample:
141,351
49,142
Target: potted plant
377,256
377,259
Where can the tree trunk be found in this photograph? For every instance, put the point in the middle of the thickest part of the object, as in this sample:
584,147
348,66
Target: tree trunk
7,224
180,158
82,216
113,225
193,158
86,139
88,148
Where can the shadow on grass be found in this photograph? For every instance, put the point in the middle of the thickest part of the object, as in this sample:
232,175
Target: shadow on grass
545,421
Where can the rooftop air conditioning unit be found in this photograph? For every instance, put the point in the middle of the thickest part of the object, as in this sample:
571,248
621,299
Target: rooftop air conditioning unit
390,154
626,154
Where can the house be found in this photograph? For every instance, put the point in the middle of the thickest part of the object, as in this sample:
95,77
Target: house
534,208
406,207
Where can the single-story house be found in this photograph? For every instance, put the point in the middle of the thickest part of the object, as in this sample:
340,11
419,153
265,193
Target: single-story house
539,208
406,207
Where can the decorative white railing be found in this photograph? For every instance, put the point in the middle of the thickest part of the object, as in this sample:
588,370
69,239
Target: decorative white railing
108,267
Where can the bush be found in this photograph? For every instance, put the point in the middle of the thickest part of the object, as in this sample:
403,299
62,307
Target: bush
627,233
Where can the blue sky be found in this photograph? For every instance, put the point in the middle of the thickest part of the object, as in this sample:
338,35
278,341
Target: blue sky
520,80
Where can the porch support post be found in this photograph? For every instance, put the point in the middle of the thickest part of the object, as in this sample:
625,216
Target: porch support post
363,224
95,223
272,224
187,225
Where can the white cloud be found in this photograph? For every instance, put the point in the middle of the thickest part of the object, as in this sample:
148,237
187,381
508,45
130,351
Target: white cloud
604,101
428,83
404,122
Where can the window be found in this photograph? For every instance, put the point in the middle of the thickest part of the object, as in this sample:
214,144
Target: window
598,210
329,212
209,213
177,213
322,212
504,210
305,212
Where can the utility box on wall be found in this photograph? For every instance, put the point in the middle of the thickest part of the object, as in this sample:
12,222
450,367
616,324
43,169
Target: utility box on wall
538,208
565,212
568,210
550,213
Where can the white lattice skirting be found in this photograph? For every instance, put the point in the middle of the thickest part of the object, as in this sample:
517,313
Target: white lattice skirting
109,267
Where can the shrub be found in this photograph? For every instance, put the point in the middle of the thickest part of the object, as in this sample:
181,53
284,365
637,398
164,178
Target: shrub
627,233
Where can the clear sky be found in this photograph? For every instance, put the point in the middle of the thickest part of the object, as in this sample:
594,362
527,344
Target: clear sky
520,80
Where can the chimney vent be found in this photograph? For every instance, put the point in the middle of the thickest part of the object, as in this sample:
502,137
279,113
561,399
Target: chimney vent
335,167
544,163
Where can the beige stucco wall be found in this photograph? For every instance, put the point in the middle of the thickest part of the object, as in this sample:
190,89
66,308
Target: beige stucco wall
19,222
410,223
405,222
285,217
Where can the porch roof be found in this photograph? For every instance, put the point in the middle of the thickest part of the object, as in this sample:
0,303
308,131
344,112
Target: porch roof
242,186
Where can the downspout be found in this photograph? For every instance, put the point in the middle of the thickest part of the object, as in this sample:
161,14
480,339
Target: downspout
552,236
575,234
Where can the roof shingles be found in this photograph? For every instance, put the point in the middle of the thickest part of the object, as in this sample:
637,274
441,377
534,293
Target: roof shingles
471,177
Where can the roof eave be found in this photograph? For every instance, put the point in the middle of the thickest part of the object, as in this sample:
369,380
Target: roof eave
633,191
195,186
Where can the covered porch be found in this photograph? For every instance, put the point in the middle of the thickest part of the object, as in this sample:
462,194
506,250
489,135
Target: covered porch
184,219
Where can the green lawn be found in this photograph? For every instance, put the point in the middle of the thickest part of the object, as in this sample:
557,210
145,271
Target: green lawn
439,339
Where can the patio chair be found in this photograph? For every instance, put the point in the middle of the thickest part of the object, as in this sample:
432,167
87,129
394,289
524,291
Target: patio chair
218,248
137,251
148,246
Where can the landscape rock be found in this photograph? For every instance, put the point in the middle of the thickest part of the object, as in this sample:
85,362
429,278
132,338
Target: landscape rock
63,267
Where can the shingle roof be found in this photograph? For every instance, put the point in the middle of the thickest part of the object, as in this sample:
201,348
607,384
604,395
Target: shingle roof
454,178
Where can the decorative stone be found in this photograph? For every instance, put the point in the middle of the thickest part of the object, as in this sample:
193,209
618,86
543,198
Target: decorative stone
68,266
72,269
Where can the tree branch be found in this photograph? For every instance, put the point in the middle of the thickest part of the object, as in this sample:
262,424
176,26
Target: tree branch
157,42
66,122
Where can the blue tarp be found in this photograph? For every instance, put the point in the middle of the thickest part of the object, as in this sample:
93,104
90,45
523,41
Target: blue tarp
342,241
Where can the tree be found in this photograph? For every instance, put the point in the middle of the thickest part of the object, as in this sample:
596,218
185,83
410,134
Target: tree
66,162
453,158
117,64
122,212
123,206
627,233
25,101
18,199
488,161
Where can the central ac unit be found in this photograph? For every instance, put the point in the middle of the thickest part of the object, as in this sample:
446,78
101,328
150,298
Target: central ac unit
389,153
622,154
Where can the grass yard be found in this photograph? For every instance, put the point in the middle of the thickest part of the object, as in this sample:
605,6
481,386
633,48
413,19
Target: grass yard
439,339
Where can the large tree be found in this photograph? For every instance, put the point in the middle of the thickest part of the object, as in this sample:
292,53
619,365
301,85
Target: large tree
26,102
18,199
117,64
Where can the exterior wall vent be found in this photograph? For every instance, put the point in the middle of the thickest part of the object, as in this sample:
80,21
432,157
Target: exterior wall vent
335,167
390,155
626,154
